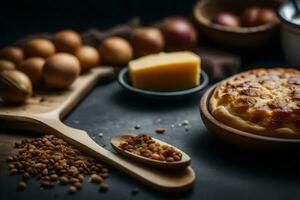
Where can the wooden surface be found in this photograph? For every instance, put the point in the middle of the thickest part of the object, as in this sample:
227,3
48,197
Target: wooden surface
45,116
46,101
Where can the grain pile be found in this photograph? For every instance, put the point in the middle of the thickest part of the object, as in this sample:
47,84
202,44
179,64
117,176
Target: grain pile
51,160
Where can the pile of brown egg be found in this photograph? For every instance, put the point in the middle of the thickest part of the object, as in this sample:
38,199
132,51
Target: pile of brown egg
57,62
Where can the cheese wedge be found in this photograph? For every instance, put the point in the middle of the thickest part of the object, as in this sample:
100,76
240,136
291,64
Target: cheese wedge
166,71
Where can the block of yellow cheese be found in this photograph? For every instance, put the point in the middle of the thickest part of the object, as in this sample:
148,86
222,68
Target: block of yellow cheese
166,71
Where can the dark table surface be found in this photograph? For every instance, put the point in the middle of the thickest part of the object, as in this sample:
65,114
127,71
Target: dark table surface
223,171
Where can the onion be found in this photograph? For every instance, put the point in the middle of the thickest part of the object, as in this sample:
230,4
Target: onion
227,19
147,40
179,34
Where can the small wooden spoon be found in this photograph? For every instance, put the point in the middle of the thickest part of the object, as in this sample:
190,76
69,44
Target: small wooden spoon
184,162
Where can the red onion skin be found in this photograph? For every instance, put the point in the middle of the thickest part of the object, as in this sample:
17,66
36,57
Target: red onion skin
147,40
266,16
227,19
250,17
179,34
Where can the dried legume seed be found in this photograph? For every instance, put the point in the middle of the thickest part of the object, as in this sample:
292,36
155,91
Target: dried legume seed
96,179
21,185
72,189
160,130
81,177
63,180
50,159
103,187
53,177
78,185
145,146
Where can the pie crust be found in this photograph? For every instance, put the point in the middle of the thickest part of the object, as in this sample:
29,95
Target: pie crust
260,101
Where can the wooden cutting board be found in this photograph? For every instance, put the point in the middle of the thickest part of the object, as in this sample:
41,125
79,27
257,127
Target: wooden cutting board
44,111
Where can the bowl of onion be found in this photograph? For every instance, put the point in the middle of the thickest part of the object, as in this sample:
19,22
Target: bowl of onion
238,24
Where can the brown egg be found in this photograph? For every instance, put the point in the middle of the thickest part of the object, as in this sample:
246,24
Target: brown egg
61,70
39,48
147,40
116,51
33,68
15,86
7,65
13,54
88,57
67,41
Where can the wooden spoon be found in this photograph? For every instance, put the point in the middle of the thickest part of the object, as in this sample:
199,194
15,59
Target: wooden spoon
183,163
46,117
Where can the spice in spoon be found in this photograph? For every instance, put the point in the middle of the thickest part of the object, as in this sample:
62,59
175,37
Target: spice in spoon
144,145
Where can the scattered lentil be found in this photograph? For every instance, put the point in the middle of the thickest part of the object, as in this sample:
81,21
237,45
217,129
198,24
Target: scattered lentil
78,185
100,134
21,185
96,179
72,189
145,146
103,187
160,130
81,177
25,176
63,180
50,159
53,177
10,158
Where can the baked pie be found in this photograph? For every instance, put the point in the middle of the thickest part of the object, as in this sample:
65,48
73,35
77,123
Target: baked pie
260,101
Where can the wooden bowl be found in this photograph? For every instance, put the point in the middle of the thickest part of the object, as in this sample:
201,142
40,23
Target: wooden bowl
238,137
237,37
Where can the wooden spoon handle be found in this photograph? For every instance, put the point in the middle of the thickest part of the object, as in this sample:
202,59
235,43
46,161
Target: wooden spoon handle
168,181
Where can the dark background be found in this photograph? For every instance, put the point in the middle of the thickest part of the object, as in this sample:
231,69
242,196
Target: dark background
19,18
